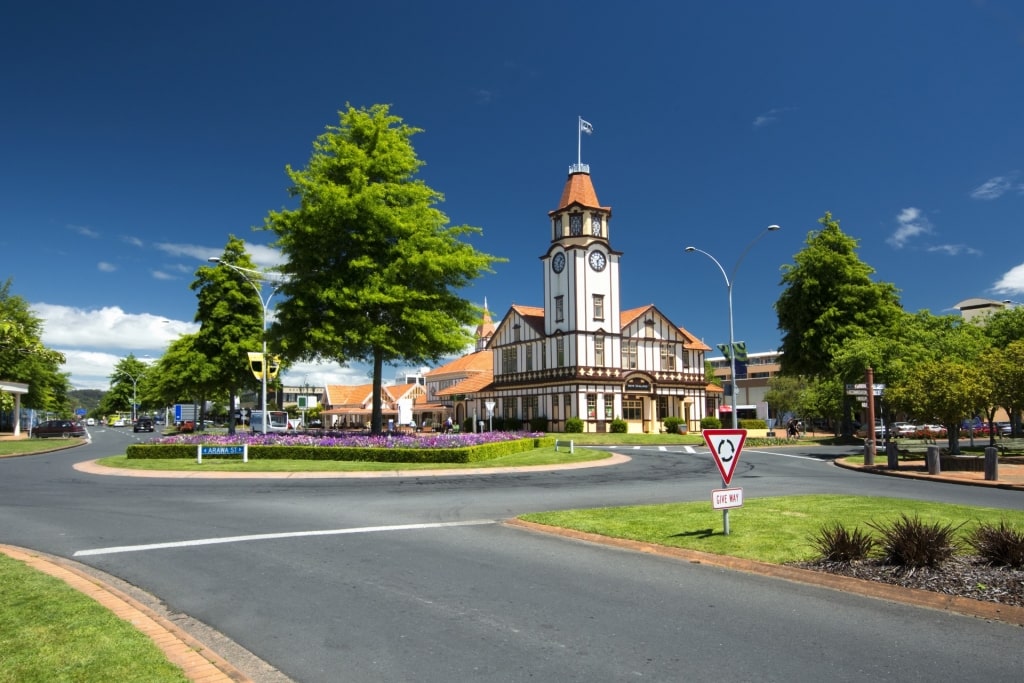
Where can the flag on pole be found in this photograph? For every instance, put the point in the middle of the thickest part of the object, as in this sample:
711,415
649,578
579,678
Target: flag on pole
724,348
586,127
741,351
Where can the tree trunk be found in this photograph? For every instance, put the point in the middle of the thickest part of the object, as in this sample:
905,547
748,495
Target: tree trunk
377,419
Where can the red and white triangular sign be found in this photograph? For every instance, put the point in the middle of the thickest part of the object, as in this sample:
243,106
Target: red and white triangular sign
725,445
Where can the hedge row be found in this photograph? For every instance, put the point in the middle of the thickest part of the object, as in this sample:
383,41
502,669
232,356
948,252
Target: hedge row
428,455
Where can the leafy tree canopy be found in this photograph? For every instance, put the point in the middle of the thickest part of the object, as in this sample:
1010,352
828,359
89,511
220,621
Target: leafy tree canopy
23,358
372,269
829,298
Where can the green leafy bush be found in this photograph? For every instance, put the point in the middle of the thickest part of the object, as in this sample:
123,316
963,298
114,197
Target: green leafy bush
618,426
675,425
753,424
910,542
836,543
710,422
574,425
999,545
539,424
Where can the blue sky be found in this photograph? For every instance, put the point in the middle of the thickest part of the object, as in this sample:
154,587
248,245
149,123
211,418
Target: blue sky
136,137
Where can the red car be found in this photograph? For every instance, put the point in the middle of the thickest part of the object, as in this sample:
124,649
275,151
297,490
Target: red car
62,429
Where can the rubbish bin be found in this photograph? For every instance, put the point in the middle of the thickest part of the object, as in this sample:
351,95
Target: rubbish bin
931,460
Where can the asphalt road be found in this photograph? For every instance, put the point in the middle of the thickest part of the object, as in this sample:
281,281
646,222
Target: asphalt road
416,579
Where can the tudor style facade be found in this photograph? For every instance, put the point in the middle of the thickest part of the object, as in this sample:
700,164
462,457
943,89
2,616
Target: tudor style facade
581,355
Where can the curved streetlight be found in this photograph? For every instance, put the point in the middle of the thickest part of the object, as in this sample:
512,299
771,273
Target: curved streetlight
729,281
258,286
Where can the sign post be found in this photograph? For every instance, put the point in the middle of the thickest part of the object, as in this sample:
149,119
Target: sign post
490,415
726,445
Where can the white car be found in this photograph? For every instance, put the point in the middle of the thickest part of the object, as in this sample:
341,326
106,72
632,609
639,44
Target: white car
904,428
90,422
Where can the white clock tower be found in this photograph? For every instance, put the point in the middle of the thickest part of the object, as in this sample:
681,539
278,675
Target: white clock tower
581,276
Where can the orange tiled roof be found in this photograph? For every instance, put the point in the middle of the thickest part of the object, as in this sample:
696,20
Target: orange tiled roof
478,361
714,389
580,190
470,385
341,394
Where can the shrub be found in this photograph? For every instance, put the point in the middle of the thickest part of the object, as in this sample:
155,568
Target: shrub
574,425
539,424
618,426
675,425
753,424
710,422
1000,545
836,543
909,542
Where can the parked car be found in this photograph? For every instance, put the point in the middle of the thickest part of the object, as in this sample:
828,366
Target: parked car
91,422
143,425
1005,428
933,430
61,429
904,428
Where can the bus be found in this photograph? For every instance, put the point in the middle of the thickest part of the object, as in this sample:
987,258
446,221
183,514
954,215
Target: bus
278,421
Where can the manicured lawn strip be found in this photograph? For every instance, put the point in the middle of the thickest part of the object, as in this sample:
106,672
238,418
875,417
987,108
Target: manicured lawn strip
23,446
767,529
538,456
51,632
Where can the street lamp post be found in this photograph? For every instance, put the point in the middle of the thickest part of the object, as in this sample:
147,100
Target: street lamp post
134,392
729,281
244,272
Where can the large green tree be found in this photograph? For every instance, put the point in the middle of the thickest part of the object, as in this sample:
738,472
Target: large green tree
373,269
1004,326
181,375
24,358
231,299
126,386
828,299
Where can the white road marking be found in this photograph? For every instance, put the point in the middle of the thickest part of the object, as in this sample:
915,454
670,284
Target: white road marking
783,455
265,537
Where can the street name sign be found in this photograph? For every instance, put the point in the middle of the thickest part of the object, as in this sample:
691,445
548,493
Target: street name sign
725,445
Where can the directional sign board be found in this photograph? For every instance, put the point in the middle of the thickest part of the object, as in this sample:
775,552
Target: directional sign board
725,445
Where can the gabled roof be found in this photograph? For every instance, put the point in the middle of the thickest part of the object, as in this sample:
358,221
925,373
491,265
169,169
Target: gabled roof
630,316
532,316
400,391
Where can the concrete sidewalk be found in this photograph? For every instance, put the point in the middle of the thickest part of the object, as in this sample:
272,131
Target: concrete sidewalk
1010,476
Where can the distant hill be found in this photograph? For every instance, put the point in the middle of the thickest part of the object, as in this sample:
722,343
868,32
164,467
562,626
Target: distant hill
86,398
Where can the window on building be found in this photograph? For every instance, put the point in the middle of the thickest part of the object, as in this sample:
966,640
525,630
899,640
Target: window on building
609,406
599,307
662,407
668,357
517,332
544,355
559,308
632,409
592,406
599,350
560,352
530,405
529,357
508,408
629,354
510,359
567,406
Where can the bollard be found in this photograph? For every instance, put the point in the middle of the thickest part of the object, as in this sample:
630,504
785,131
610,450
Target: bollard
991,464
931,459
892,452
869,453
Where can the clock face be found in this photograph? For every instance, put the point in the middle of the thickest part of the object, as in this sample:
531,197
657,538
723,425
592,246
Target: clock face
576,224
595,226
597,260
558,262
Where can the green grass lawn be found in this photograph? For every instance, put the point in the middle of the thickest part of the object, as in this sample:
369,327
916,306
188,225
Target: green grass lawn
27,446
51,632
773,530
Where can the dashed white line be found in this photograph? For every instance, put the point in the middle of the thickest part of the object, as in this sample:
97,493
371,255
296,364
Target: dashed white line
264,537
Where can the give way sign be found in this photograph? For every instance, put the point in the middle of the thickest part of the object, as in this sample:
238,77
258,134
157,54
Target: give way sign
725,445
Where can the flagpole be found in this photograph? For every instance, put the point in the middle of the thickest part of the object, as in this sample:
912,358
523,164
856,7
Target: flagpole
579,140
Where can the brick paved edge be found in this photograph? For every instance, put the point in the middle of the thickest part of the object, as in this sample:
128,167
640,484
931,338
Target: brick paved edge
882,591
196,660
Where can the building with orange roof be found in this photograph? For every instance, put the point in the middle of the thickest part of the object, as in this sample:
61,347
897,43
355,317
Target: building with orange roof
580,354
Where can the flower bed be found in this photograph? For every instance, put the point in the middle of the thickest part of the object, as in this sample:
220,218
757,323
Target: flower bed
437,448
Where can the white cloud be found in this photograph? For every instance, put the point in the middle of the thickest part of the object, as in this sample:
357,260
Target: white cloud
105,267
770,116
993,188
84,230
955,249
1012,282
911,224
262,255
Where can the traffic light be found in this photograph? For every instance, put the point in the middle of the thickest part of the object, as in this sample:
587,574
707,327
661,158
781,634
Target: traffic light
273,366
256,364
